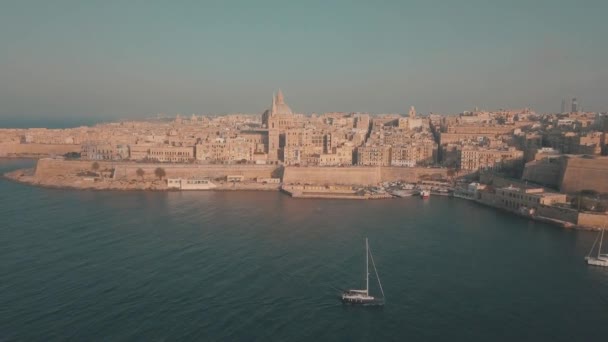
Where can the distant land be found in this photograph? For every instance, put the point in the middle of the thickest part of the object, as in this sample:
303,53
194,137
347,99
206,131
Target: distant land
47,122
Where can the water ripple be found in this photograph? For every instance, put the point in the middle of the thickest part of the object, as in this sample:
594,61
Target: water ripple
261,266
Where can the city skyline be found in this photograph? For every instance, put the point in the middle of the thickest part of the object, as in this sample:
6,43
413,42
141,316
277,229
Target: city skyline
107,60
222,169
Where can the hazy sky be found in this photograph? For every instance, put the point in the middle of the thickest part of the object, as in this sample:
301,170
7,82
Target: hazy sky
111,59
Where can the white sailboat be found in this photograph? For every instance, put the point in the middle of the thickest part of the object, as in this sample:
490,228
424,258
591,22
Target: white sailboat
362,297
600,259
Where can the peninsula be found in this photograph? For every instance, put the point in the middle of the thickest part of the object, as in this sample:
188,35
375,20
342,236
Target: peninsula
551,167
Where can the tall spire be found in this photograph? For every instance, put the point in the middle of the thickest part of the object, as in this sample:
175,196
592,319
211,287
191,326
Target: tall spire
279,107
280,99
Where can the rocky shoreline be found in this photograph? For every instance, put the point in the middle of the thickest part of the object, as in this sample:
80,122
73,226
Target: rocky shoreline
26,176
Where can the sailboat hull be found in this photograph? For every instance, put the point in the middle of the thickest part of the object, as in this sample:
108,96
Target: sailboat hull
363,301
597,261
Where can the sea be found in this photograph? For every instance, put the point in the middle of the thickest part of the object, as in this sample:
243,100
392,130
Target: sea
261,266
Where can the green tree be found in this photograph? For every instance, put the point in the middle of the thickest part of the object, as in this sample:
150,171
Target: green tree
160,173
586,200
140,172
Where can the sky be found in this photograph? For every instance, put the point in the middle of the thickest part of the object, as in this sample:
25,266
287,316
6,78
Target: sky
118,59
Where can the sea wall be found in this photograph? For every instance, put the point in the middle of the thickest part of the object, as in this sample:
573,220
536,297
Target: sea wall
358,175
128,170
332,175
36,149
498,181
558,213
411,174
593,220
250,172
48,167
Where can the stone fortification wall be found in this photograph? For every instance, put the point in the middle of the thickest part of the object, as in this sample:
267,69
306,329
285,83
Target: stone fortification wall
36,149
48,167
558,213
547,172
358,175
411,174
250,172
585,174
593,220
291,175
498,181
128,170
332,175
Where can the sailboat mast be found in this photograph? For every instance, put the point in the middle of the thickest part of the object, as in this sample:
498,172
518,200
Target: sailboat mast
599,250
594,243
377,276
366,267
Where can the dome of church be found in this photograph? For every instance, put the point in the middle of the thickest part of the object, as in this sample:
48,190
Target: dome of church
283,108
279,106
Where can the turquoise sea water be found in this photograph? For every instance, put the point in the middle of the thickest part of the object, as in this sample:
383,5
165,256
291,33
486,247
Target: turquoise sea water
244,266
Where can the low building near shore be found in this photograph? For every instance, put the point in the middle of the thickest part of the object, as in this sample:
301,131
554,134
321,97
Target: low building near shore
470,191
190,184
537,203
521,199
